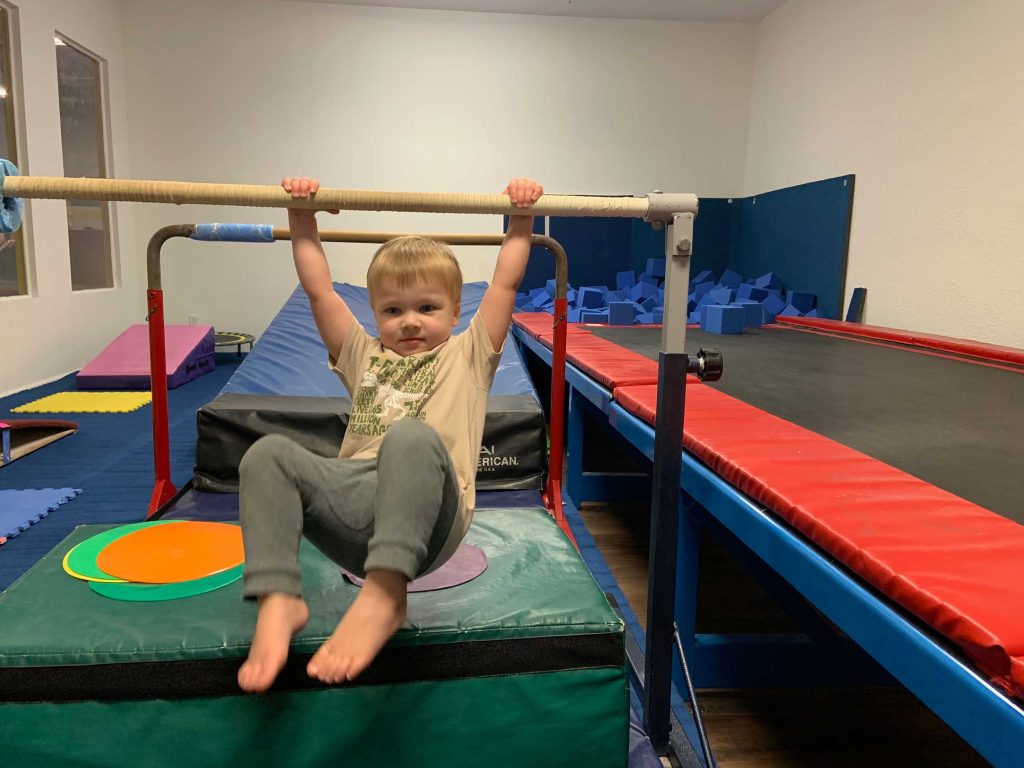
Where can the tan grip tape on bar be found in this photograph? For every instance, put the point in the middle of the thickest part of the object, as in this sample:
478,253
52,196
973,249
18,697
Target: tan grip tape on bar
263,196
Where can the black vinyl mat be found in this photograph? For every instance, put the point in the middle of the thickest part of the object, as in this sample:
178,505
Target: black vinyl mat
954,423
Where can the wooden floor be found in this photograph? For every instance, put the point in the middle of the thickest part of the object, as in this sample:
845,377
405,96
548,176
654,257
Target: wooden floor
833,728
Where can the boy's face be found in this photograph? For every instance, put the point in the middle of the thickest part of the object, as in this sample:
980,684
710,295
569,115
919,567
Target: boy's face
415,318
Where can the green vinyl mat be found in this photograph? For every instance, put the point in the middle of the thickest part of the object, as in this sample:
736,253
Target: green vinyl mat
523,664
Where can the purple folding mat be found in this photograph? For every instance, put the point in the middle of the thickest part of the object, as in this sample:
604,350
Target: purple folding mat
124,364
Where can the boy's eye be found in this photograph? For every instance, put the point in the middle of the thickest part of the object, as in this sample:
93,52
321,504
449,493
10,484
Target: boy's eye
391,311
427,308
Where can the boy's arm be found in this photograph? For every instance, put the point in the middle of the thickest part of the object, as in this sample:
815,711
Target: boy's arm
330,312
499,300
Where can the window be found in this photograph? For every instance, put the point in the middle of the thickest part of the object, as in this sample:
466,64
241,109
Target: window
79,86
13,278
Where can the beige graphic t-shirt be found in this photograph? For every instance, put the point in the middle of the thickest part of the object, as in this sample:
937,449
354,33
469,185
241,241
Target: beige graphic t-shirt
445,387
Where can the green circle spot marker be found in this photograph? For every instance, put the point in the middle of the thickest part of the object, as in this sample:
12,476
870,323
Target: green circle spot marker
145,593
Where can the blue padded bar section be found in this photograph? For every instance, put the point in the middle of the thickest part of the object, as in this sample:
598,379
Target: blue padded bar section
290,358
13,207
234,233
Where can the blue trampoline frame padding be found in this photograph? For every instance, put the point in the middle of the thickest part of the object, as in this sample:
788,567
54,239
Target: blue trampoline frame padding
988,720
290,358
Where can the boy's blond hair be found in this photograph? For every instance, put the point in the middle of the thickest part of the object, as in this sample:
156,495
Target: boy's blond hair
406,260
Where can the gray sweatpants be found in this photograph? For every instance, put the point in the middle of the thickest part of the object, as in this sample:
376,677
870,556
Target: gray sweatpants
392,512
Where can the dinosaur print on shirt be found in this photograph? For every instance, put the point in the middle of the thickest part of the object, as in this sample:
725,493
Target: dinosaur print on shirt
390,390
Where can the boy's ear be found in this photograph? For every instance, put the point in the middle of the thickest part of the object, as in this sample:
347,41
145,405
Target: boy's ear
457,311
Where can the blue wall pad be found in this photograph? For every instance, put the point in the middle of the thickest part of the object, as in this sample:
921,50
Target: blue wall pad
800,233
20,509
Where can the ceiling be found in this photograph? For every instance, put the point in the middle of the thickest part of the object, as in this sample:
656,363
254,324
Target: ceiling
744,11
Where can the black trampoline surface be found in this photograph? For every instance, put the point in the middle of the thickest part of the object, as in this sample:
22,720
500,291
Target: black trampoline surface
947,420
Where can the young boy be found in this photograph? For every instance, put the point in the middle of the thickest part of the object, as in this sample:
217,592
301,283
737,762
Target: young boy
398,500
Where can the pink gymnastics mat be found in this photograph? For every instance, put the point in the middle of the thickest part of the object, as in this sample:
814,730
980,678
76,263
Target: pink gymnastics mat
124,364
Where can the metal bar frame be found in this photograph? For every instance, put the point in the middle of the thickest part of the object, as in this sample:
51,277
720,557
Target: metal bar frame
163,487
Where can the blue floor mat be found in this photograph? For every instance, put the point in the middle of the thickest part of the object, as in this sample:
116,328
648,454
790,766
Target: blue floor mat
20,509
110,458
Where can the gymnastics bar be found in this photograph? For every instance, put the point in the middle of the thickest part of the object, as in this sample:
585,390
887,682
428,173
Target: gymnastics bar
163,487
675,211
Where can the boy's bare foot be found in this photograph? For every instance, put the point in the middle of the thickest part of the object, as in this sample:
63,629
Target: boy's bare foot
374,617
279,617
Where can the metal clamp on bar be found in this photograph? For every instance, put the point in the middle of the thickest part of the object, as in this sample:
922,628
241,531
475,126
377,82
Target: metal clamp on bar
663,206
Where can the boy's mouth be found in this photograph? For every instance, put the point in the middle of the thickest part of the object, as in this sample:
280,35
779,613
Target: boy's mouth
411,340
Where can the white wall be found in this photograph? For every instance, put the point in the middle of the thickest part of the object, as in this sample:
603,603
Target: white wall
249,91
54,330
924,101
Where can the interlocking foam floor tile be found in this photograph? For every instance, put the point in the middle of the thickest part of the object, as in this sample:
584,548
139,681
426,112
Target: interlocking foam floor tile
20,509
87,402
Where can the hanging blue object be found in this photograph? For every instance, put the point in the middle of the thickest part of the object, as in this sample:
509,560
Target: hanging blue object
11,213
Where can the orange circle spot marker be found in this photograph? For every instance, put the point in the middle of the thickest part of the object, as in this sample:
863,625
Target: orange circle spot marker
164,554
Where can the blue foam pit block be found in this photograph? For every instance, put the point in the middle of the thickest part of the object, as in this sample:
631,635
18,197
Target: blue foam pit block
803,301
703,301
620,313
572,315
691,303
656,267
694,318
647,277
659,314
774,305
707,276
812,313
701,288
730,279
723,319
752,292
570,296
541,299
771,281
722,295
648,304
594,316
20,509
551,286
590,298
646,318
754,313
789,311
625,279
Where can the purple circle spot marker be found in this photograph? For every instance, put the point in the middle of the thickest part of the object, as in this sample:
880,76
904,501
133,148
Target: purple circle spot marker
468,562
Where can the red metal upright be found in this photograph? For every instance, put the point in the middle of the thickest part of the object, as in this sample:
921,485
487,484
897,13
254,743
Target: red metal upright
553,489
163,488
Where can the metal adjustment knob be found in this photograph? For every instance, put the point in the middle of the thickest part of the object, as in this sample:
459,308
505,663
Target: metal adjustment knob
708,365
